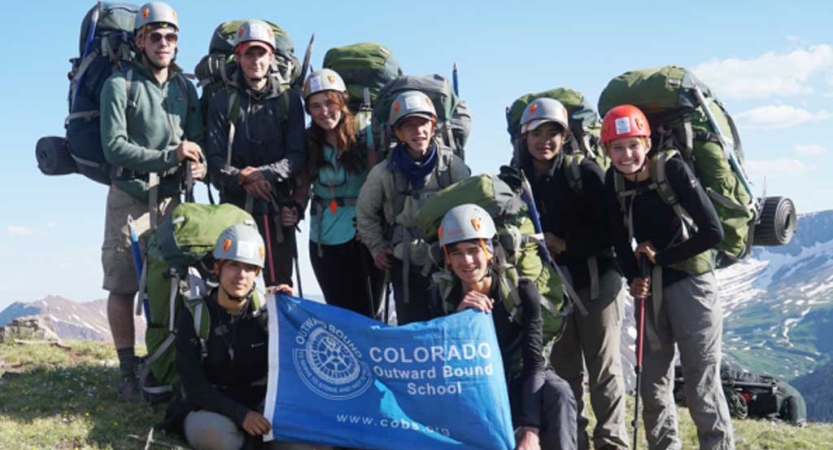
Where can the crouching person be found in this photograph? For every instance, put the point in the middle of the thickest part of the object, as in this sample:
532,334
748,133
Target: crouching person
223,374
543,406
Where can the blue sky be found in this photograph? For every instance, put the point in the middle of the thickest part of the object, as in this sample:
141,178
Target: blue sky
771,64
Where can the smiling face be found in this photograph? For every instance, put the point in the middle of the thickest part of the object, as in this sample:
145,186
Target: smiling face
628,154
469,261
545,141
237,278
325,110
255,61
159,46
416,133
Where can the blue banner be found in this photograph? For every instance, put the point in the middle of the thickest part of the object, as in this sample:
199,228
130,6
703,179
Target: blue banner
340,378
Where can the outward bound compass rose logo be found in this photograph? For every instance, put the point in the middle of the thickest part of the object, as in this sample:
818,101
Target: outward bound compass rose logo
329,363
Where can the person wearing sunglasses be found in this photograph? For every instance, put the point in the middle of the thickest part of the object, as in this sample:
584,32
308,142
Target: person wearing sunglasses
256,145
151,126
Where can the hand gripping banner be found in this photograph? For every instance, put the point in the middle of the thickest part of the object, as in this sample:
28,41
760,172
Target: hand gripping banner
339,378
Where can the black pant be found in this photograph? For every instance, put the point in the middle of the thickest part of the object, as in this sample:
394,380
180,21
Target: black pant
345,273
417,309
279,255
558,429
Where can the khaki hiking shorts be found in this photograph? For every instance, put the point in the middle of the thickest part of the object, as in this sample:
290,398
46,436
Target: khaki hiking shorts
116,254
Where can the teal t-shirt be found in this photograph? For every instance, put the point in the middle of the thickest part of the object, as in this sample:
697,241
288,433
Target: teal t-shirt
334,182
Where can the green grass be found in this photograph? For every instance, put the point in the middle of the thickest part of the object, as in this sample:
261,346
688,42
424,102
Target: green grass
64,398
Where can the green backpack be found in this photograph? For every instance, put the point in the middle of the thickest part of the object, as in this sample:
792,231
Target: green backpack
179,266
516,252
585,125
675,102
365,68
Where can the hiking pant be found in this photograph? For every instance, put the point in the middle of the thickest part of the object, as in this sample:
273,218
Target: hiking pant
419,301
116,253
690,315
595,341
343,272
558,424
205,430
279,255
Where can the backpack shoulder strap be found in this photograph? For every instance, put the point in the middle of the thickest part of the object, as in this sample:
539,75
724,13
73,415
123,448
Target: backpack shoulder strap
202,320
659,178
130,86
572,164
400,190
444,162
257,305
232,115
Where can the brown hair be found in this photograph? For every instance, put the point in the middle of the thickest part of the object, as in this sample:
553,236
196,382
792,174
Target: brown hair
347,152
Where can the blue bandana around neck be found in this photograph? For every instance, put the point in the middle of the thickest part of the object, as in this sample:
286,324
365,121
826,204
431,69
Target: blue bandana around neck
414,171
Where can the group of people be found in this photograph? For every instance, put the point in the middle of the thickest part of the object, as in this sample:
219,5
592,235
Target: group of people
257,153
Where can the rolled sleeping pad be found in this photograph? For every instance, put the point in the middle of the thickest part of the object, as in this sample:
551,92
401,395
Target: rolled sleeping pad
53,156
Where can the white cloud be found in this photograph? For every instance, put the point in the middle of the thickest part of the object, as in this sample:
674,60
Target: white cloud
777,168
779,116
18,231
810,149
769,75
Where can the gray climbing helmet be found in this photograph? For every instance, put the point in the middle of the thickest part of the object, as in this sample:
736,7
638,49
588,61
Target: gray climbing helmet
323,80
257,32
541,111
464,223
241,243
156,12
411,103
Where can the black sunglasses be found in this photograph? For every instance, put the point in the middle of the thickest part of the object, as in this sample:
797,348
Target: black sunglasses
172,38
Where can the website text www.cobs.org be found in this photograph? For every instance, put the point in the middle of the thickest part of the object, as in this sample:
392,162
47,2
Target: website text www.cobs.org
400,424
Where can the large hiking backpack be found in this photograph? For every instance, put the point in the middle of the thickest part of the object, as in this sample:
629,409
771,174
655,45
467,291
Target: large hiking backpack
753,396
105,45
179,267
517,248
585,125
365,68
453,118
215,70
685,116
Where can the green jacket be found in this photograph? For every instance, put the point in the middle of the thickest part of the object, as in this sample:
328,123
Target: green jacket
141,135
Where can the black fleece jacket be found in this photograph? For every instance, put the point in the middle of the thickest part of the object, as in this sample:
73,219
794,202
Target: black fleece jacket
237,356
580,218
522,341
655,221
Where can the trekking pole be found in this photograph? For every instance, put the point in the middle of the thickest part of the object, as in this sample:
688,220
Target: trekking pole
307,57
368,283
386,296
455,80
189,182
644,268
297,266
269,247
529,199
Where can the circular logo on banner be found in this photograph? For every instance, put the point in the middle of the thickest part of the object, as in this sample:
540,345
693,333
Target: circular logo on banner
330,365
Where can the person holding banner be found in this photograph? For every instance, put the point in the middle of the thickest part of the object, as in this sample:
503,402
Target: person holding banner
336,169
543,406
223,374
256,148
